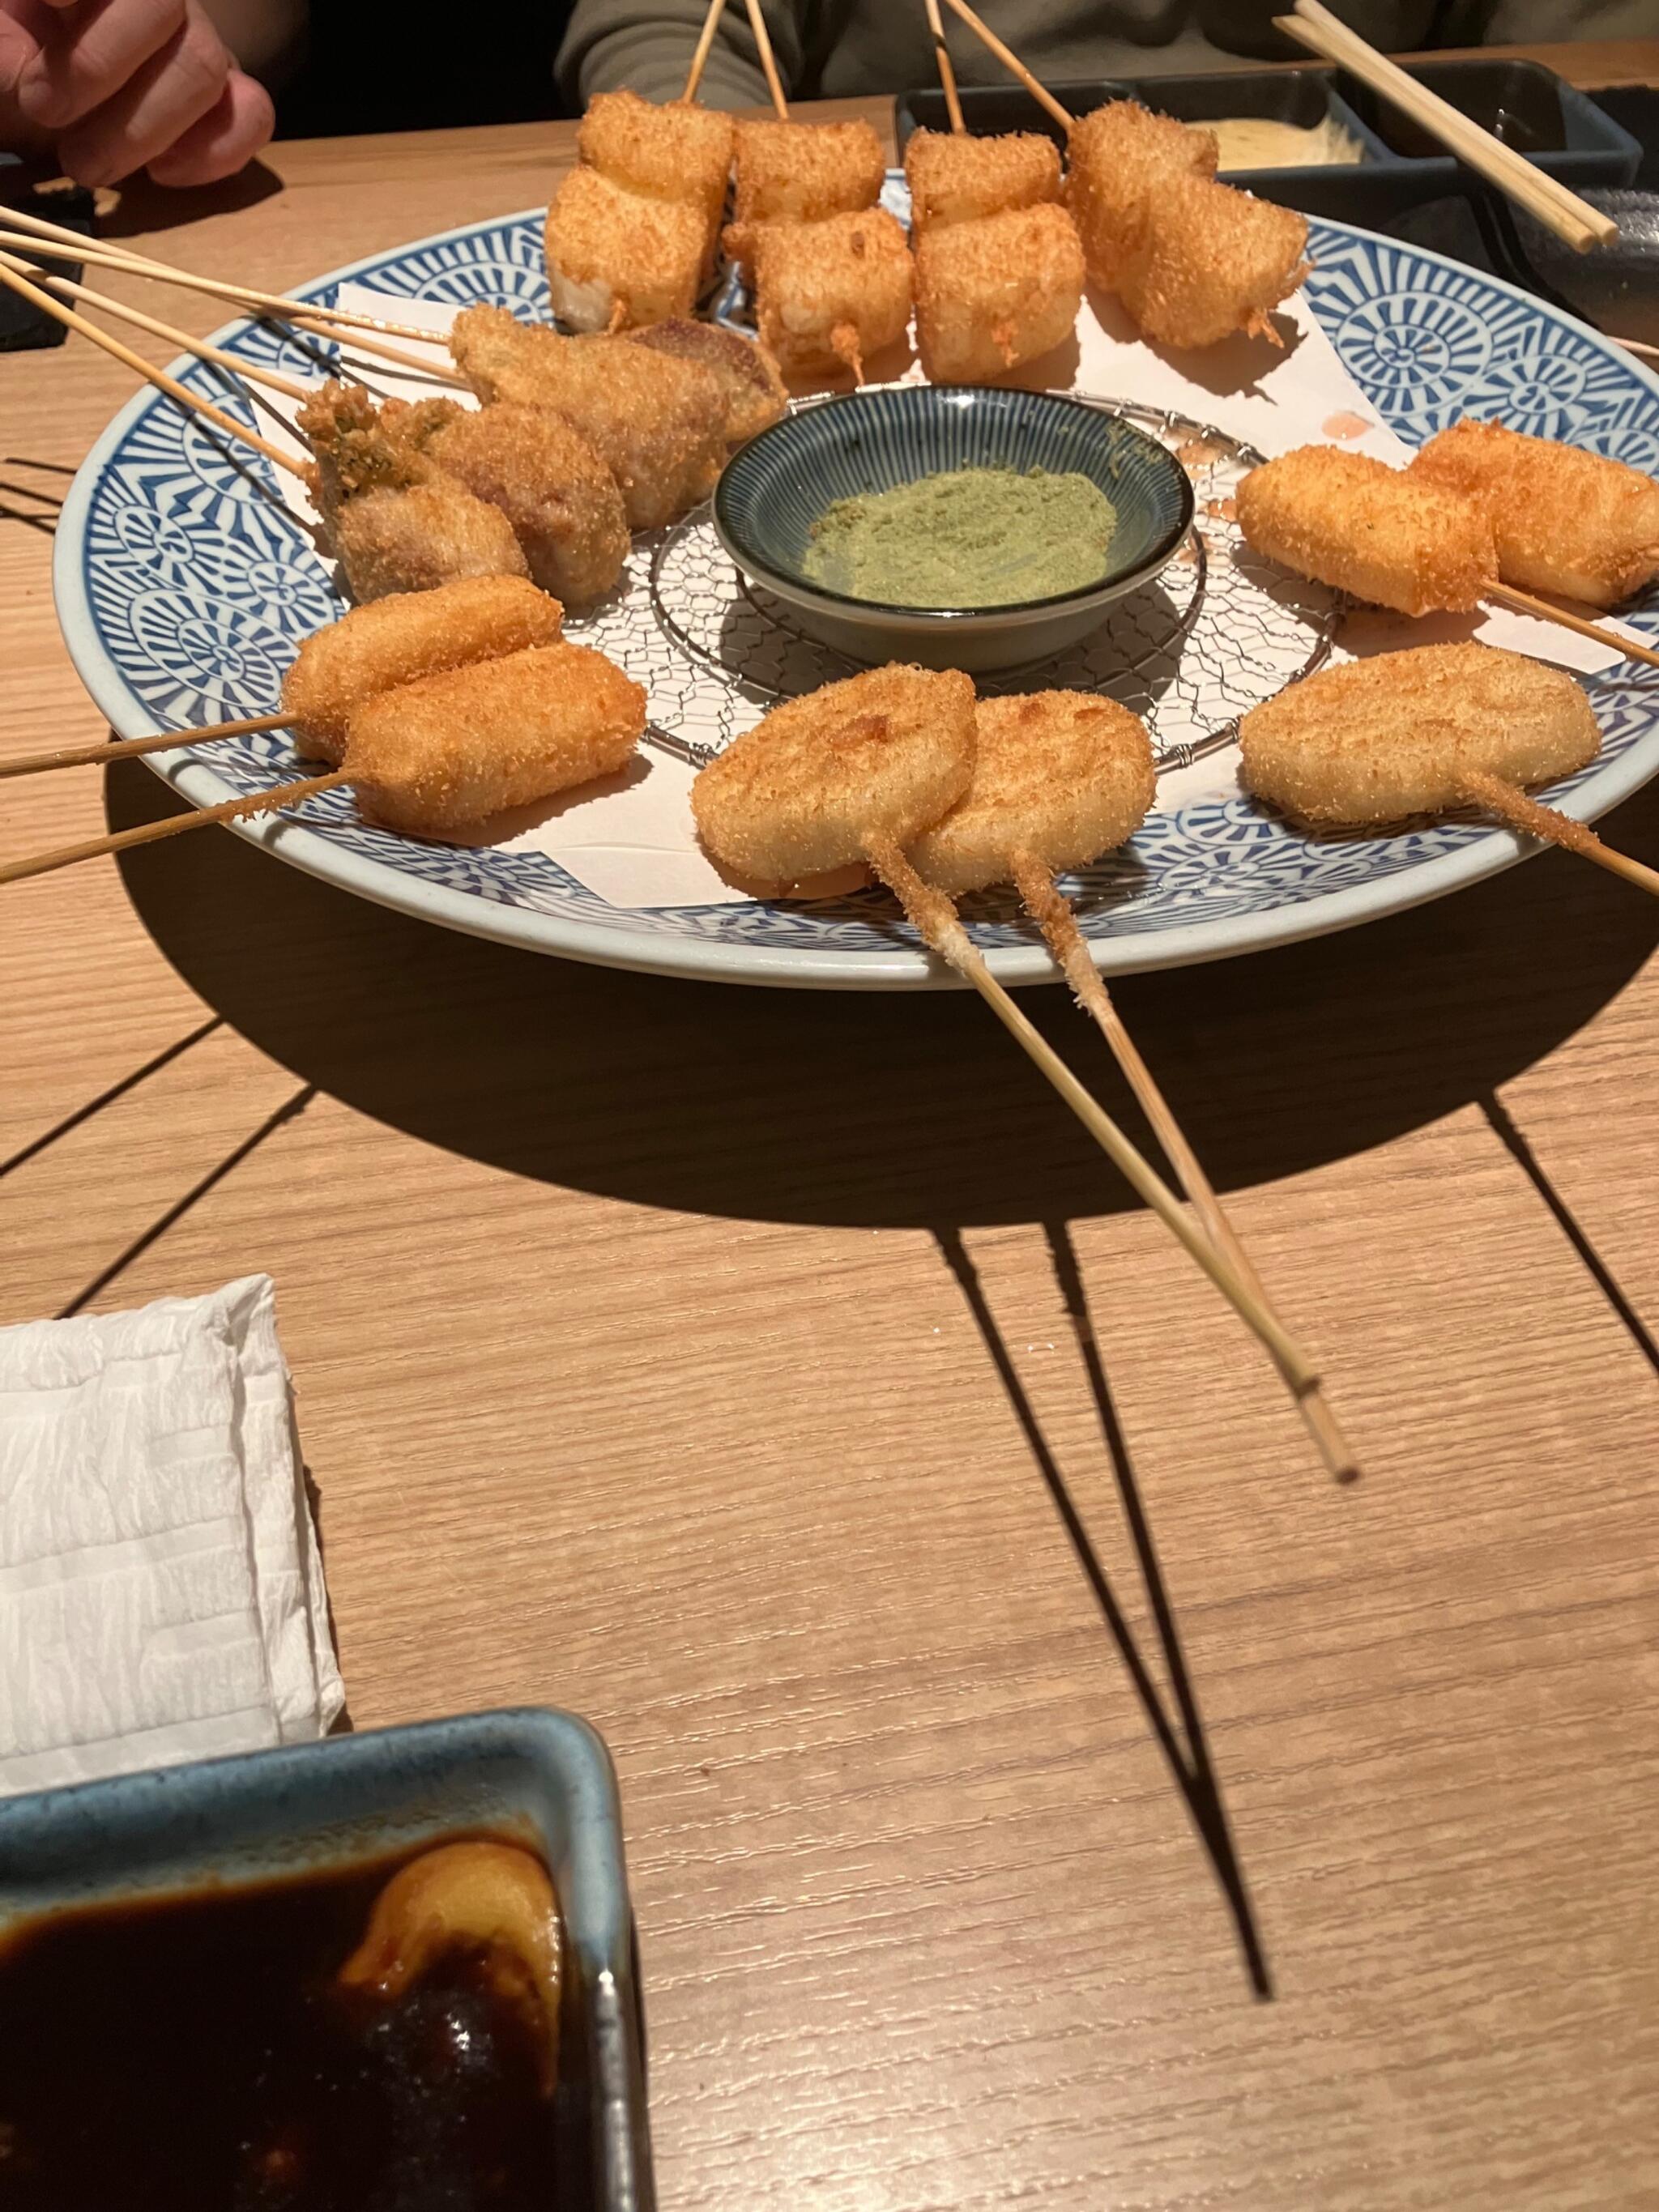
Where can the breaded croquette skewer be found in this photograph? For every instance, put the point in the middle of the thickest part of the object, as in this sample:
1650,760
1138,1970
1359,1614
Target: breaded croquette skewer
394,640
1202,261
855,773
438,757
677,151
753,393
995,292
806,172
616,259
1383,535
1564,520
828,294
1119,158
957,179
658,423
1393,537
1060,777
1421,732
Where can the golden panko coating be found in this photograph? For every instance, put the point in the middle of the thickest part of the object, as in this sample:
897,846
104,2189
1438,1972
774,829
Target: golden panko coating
616,259
437,757
1382,534
1059,777
1564,520
1202,260
674,151
828,294
1376,740
431,533
993,294
880,756
803,172
392,640
560,498
956,178
1116,158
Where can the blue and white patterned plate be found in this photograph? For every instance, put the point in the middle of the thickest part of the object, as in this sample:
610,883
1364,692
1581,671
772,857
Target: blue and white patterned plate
183,585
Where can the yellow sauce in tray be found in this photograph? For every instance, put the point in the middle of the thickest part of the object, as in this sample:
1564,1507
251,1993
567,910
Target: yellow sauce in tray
1261,141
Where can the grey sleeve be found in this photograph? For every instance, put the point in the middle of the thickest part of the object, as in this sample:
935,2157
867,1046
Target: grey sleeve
646,45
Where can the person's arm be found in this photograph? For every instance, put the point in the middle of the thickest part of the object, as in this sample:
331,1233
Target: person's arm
647,45
127,85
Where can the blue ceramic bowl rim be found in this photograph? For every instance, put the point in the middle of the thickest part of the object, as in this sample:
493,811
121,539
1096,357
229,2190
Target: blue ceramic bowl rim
1116,583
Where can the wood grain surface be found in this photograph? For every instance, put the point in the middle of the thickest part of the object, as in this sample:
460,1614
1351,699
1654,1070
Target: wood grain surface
716,1363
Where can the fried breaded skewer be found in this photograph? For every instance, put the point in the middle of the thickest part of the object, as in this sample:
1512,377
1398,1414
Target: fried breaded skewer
859,771
1420,732
1400,538
438,756
1060,777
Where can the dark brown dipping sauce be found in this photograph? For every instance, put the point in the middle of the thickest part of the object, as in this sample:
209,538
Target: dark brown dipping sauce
196,2054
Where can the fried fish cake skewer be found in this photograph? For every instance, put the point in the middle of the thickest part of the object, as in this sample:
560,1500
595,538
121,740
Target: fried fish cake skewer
1564,520
996,292
1060,777
1418,732
954,177
855,773
828,294
393,640
658,423
1202,261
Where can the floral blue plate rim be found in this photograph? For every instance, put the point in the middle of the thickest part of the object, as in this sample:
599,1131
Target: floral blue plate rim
1210,881
742,551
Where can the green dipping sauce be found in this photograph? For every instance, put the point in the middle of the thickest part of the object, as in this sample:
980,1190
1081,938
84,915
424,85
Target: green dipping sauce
969,538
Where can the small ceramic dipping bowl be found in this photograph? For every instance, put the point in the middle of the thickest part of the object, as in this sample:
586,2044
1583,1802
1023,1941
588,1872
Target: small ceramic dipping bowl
541,1777
776,489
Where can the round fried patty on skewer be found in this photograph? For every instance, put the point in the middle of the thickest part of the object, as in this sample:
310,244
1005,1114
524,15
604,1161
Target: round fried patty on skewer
1377,740
1059,777
880,756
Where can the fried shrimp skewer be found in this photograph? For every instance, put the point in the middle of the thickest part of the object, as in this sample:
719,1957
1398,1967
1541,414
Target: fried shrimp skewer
1421,732
439,756
859,771
1060,777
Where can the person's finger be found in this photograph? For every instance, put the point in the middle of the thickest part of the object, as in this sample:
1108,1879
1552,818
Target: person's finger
172,90
19,43
93,56
226,139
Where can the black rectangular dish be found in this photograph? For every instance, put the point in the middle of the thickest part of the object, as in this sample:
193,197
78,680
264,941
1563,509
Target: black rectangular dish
1397,169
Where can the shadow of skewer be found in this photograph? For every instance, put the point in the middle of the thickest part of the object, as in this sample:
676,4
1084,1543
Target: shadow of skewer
1188,1760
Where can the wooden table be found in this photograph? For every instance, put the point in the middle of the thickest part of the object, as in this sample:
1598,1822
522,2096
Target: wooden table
703,1359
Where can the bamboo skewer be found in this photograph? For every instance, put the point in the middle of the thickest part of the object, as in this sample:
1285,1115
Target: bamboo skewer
103,251
947,75
316,322
1053,912
940,926
126,748
1011,62
249,371
705,41
1638,346
189,400
1560,210
768,61
1513,807
1524,603
173,825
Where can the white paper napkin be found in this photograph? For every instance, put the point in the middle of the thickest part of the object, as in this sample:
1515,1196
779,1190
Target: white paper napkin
161,1591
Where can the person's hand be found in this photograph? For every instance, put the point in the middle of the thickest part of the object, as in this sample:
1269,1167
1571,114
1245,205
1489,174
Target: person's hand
119,85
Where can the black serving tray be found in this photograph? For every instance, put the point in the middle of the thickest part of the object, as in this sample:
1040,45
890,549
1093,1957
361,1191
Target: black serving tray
1541,116
22,327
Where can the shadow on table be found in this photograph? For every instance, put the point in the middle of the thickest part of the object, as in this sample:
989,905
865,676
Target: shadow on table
906,1109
